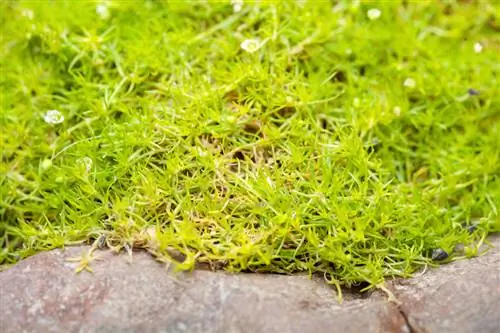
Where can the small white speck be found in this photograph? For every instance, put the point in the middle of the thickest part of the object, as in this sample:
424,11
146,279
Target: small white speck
201,152
355,102
250,45
410,83
86,162
270,182
397,111
53,117
237,5
338,8
36,308
478,47
181,326
102,11
47,163
28,13
374,14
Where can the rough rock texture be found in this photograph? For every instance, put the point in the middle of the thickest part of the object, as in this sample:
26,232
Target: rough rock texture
460,297
43,294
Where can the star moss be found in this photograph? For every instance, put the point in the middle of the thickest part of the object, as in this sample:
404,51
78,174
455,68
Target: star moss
312,153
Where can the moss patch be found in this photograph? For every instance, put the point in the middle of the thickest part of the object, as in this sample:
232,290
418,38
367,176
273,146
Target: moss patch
356,140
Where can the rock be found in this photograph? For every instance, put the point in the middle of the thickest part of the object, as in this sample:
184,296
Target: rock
463,296
43,294
439,254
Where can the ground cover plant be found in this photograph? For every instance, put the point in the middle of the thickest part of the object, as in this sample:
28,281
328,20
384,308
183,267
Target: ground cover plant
357,140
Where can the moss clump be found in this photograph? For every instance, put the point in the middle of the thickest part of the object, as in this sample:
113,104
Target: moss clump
273,137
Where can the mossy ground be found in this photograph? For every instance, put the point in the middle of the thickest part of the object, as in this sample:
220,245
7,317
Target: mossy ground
348,142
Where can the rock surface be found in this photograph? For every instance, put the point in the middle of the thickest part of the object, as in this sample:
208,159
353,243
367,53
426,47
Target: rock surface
43,294
460,297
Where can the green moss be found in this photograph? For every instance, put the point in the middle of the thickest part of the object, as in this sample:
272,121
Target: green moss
342,145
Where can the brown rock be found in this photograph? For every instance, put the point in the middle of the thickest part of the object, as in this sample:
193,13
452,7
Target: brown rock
43,294
463,296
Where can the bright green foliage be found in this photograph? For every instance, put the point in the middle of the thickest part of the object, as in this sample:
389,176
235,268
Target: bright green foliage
341,145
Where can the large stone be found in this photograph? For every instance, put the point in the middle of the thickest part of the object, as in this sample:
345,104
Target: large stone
460,297
43,294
